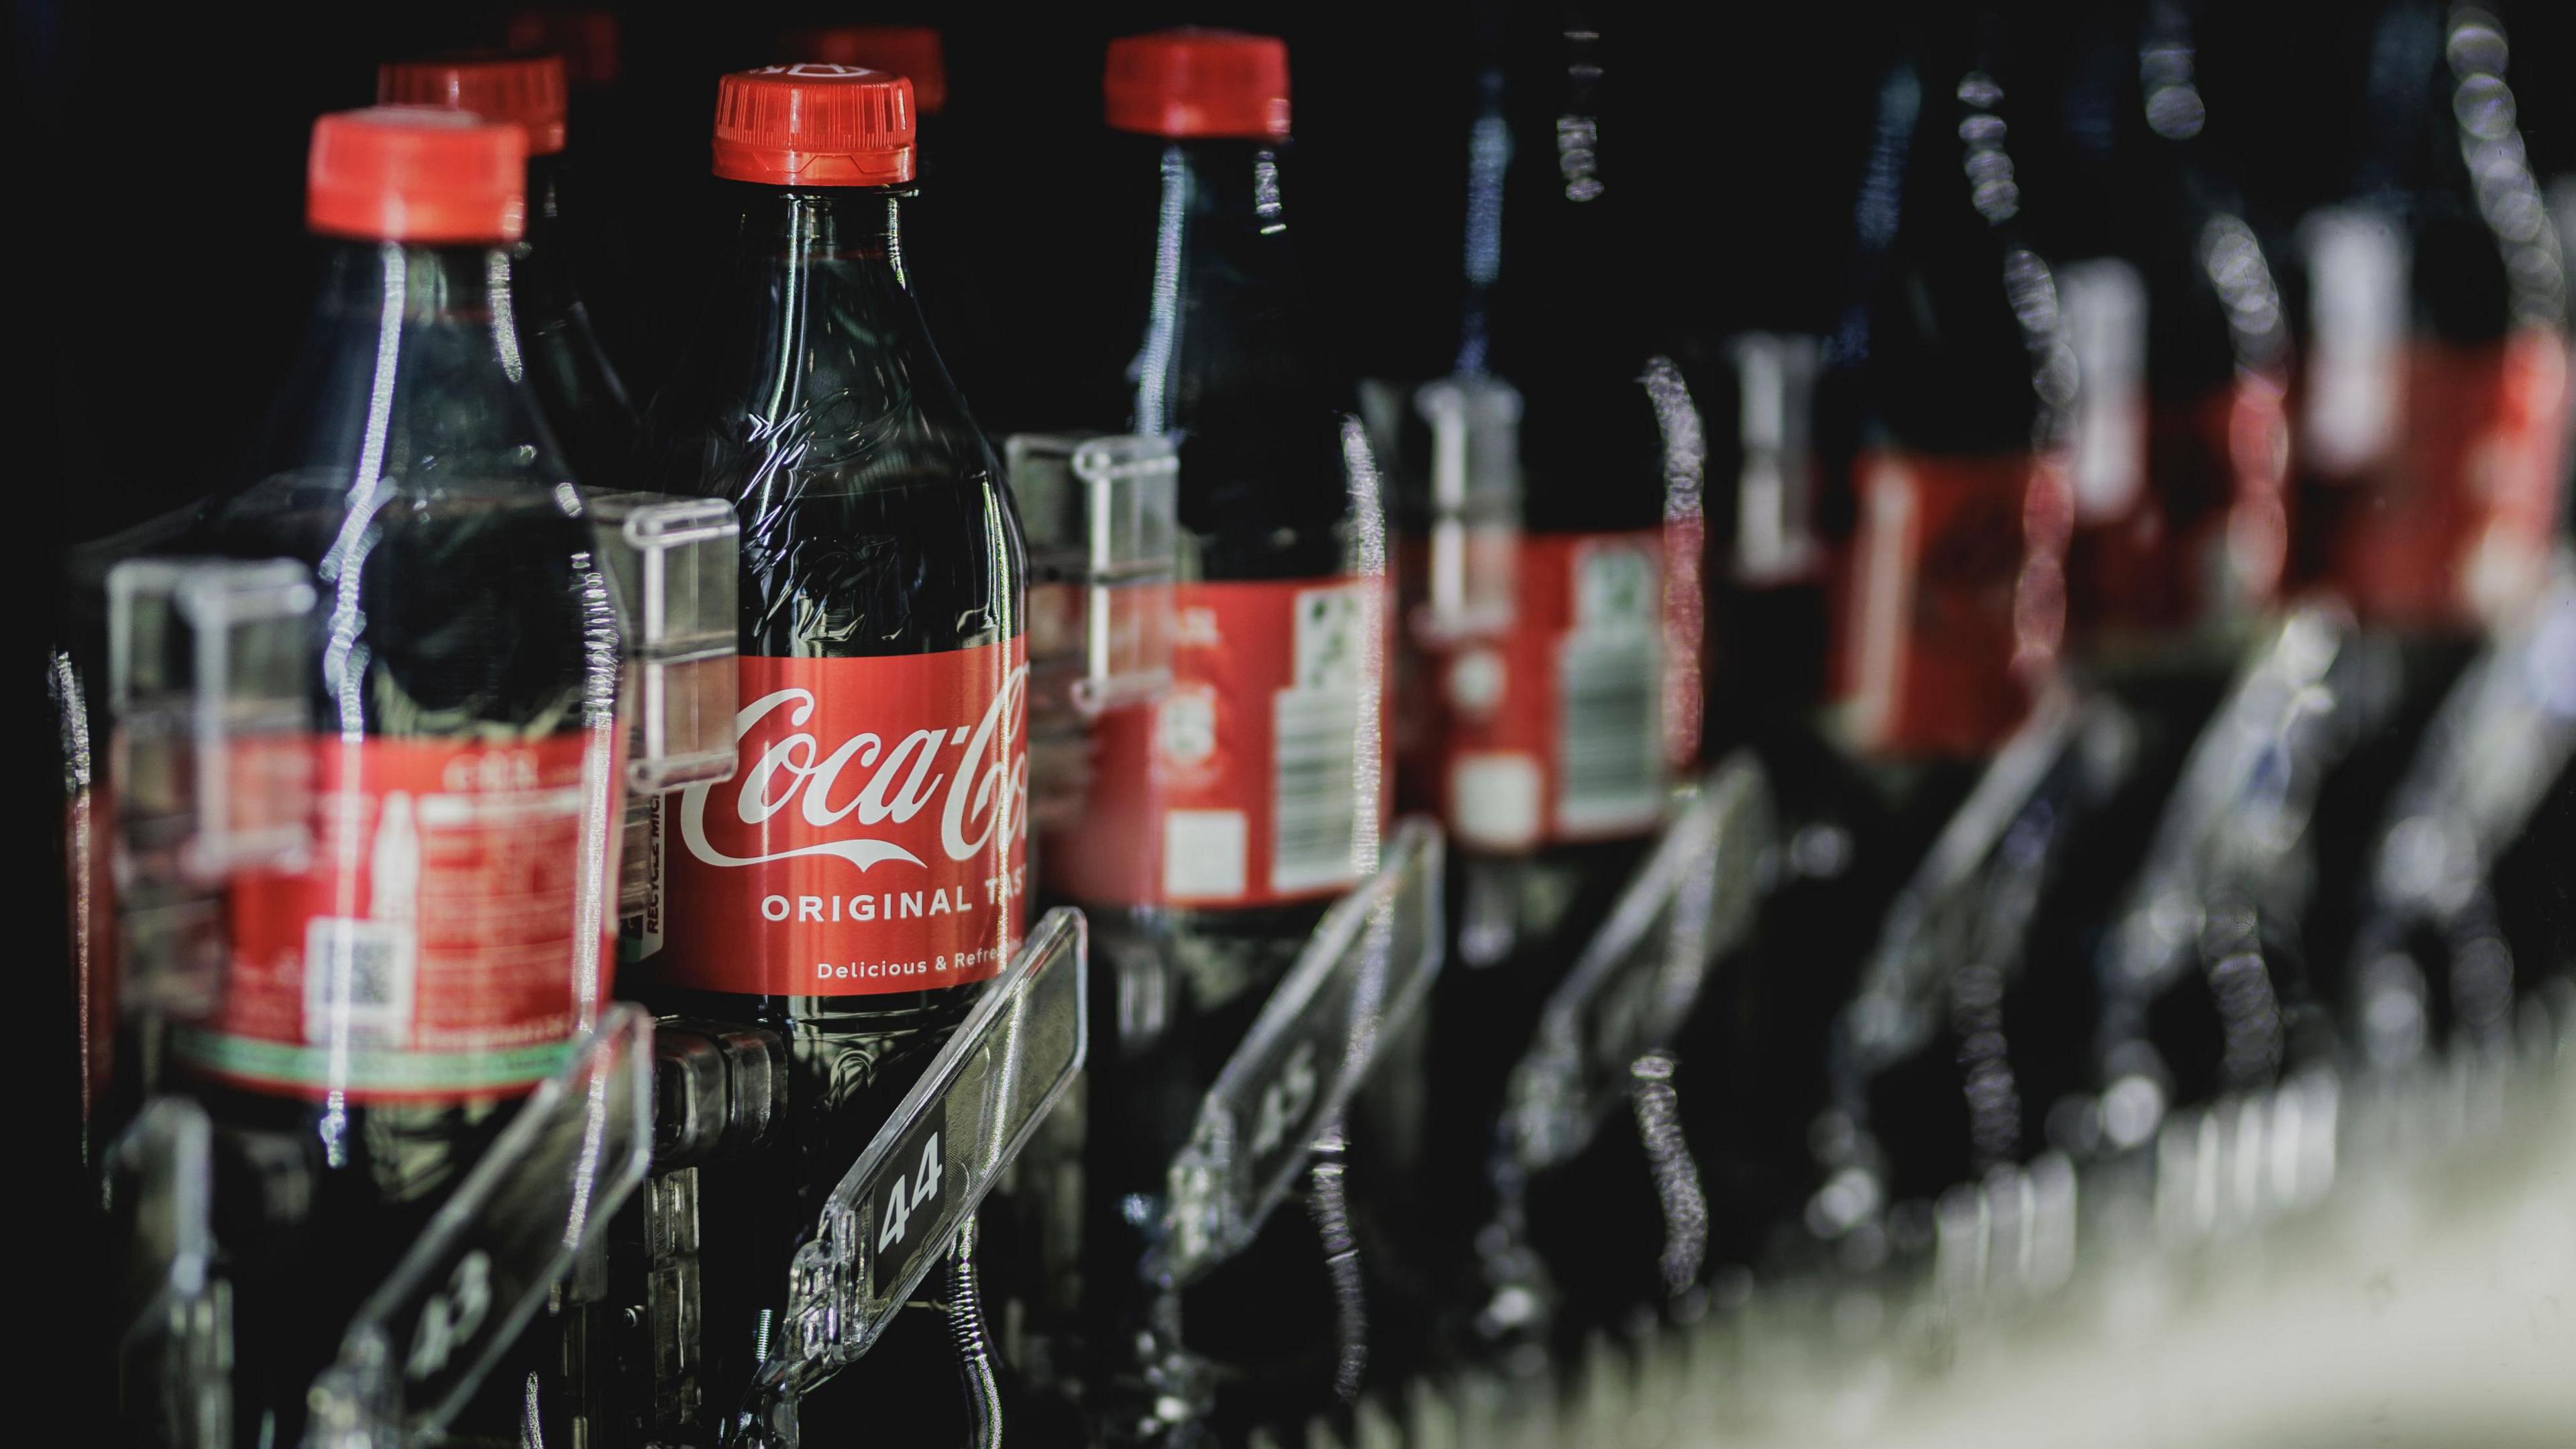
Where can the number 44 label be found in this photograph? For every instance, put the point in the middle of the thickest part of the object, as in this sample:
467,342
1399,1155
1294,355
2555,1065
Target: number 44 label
907,1204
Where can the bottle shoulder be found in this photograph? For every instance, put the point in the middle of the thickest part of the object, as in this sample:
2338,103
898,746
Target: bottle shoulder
845,397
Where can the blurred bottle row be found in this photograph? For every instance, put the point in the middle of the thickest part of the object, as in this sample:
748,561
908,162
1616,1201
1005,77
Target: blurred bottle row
1628,806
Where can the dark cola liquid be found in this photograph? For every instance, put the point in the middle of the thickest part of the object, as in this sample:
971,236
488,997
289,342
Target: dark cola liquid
873,524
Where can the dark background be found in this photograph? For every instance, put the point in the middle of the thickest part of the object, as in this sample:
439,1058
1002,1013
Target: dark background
159,190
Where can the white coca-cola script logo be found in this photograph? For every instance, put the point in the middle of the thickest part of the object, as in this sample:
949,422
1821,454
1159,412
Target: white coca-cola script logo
986,783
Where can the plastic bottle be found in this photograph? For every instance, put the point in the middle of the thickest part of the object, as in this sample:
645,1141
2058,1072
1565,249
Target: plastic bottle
1223,819
863,870
385,1006
1559,680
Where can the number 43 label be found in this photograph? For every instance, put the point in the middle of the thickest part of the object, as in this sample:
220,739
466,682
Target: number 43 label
452,1318
907,1204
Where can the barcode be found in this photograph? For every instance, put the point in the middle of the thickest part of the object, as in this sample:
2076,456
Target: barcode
357,980
1609,733
1315,789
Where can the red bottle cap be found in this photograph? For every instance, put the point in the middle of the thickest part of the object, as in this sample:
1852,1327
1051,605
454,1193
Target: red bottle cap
1192,82
525,90
416,174
910,51
586,39
814,124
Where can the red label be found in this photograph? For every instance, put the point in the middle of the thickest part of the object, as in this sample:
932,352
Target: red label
446,937
1957,598
1554,729
2460,526
871,838
1260,777
2206,533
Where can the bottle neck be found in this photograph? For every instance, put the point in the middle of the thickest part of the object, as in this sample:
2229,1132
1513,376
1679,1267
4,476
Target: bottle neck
413,371
837,236
811,358
1224,305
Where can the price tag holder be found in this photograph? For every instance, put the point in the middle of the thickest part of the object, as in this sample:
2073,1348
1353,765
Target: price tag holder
176,1346
541,1196
2246,790
2498,744
1360,978
892,1215
1971,899
1692,902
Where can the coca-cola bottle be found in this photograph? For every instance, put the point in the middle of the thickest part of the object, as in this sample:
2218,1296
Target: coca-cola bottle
2179,447
861,872
1941,501
1221,820
584,402
385,1006
1562,688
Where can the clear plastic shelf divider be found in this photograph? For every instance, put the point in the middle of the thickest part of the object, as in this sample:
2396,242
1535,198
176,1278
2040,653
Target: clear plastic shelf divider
1131,498
1360,978
207,684
176,1347
1475,506
541,1195
675,561
1692,901
1102,533
893,1214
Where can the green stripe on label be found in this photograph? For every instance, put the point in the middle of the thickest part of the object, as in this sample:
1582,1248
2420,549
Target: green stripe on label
369,1069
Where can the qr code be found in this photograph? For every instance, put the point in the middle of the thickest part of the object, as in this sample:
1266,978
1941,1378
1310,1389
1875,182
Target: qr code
357,980
1332,637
